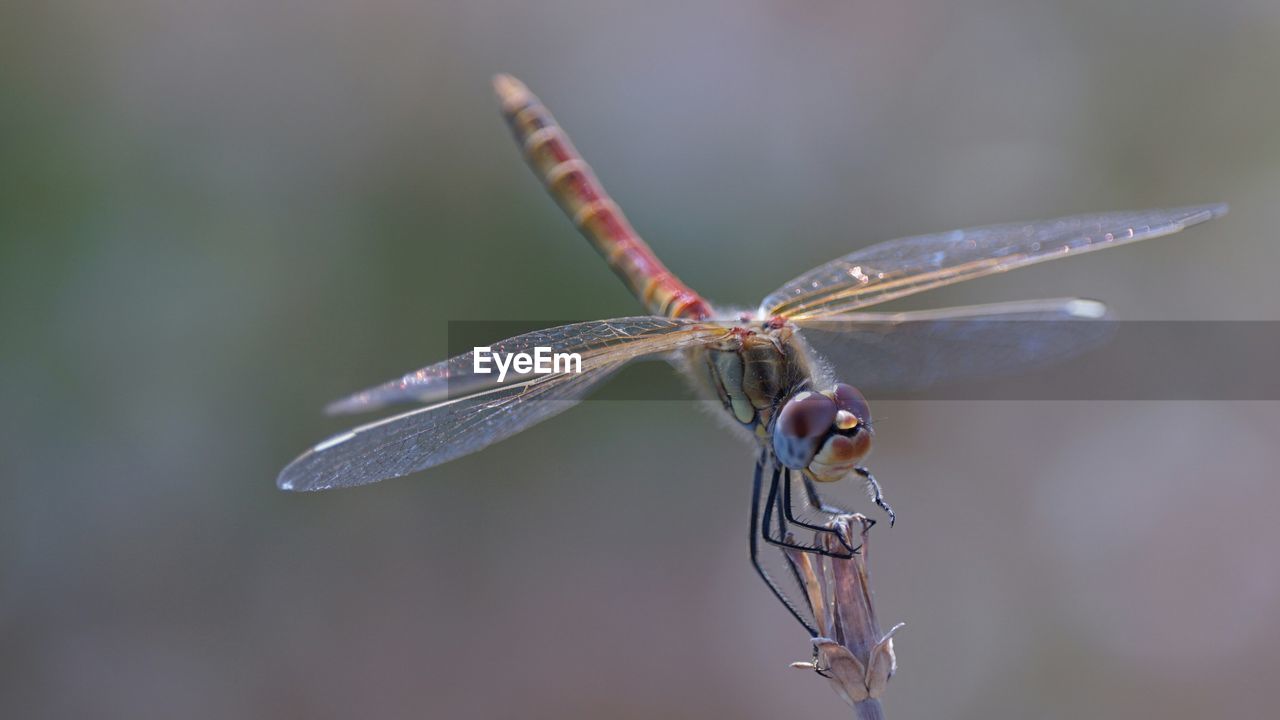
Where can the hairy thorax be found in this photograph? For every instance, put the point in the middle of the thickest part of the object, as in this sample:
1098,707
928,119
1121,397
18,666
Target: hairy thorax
753,371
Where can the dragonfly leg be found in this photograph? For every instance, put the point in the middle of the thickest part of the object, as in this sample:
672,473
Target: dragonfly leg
776,508
815,503
874,488
757,531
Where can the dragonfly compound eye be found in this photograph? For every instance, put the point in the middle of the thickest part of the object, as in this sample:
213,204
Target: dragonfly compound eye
837,453
850,400
802,424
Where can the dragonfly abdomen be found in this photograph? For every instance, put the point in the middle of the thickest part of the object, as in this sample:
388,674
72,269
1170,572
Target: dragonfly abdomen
576,189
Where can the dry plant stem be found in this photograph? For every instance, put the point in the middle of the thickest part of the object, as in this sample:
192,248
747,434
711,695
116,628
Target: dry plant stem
850,651
869,709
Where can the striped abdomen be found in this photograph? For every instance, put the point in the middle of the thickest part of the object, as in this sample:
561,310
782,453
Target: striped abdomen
570,181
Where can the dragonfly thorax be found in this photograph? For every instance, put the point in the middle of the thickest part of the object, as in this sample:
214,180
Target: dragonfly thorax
753,372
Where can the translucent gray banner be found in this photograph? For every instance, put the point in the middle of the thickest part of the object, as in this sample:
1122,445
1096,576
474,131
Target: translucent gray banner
938,360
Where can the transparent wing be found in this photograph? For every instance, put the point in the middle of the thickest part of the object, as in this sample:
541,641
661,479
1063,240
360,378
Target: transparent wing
888,352
619,338
910,265
449,429
429,436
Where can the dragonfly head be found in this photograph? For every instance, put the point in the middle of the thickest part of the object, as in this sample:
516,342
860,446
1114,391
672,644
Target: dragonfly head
826,433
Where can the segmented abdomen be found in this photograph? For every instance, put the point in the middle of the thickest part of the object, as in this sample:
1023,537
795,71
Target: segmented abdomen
574,186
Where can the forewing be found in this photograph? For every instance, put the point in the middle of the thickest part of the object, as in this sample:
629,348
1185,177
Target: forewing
910,265
622,338
429,436
893,352
451,428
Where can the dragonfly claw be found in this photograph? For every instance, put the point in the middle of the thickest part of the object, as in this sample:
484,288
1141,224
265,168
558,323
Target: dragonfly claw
873,488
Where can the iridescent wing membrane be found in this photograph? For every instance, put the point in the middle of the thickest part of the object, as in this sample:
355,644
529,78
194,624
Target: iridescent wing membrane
910,265
908,351
598,340
471,411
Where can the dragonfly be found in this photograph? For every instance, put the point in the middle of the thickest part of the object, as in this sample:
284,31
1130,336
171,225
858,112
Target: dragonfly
809,428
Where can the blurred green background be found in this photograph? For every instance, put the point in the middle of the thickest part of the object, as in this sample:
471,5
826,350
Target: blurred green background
217,216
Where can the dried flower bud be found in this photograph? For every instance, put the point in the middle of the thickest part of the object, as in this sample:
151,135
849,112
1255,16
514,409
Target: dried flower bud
849,650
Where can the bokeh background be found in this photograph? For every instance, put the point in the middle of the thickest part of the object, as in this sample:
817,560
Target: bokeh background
217,216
